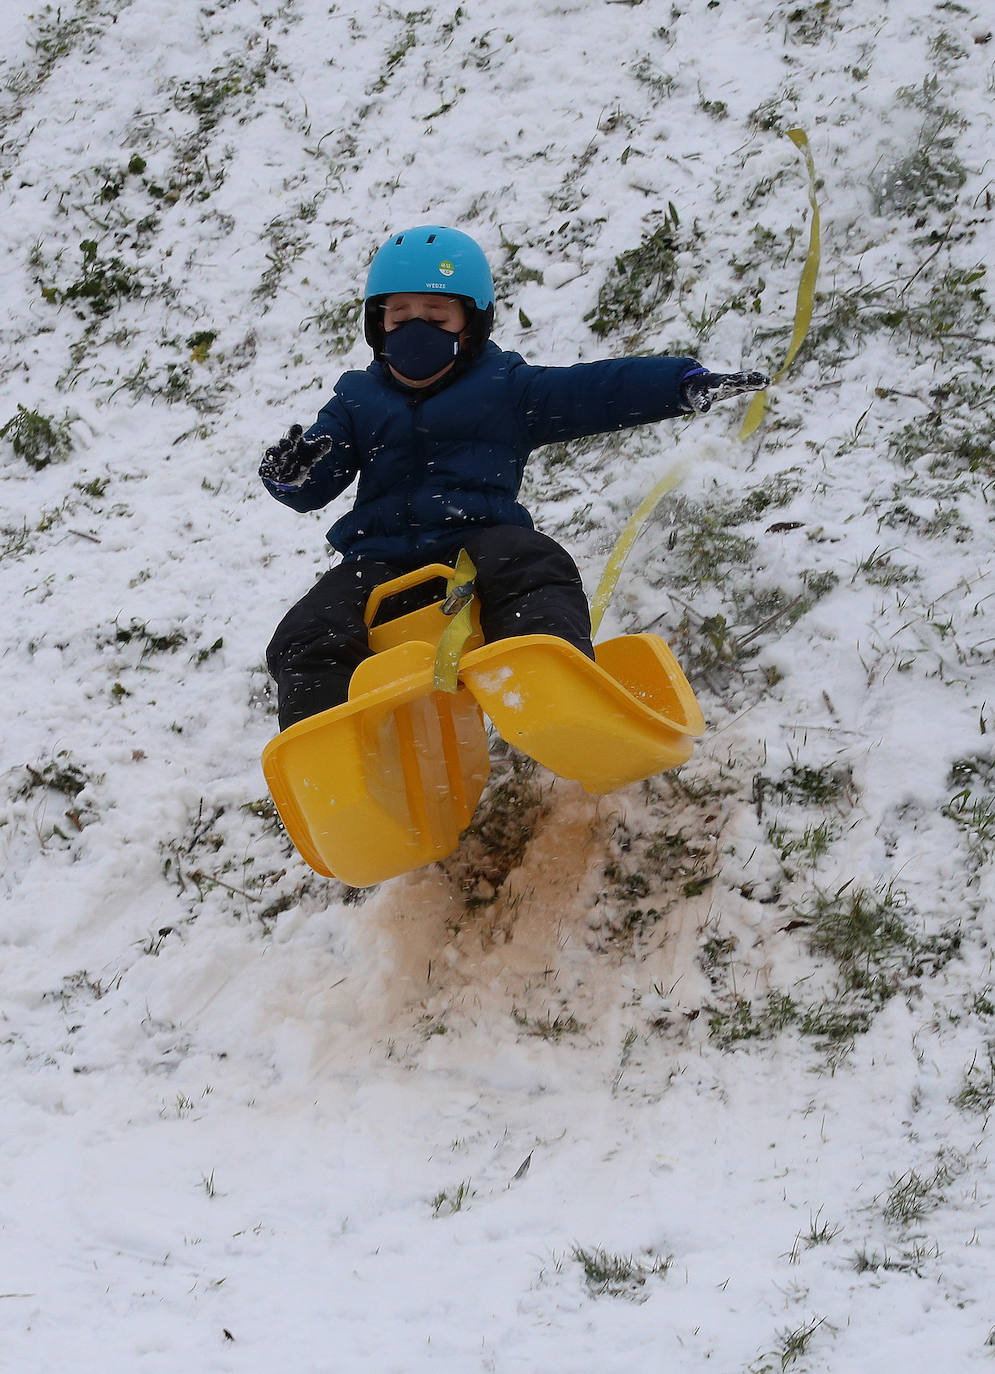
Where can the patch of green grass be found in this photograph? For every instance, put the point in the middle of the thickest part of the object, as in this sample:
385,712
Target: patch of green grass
924,311
930,173
96,488
910,1261
548,1027
772,493
174,383
880,570
114,179
975,816
659,84
715,953
395,56
715,109
916,1193
834,1024
710,549
138,632
982,1004
972,807
82,985
626,891
866,933
734,1022
793,1342
820,1232
641,278
513,275
14,540
38,439
736,1019
101,285
61,774
803,784
67,778
208,651
264,809
55,36
650,870
338,323
843,320
707,548
775,114
953,439
976,1094
875,953
808,23
209,98
201,343
618,1276
944,49
450,1201
801,850
287,239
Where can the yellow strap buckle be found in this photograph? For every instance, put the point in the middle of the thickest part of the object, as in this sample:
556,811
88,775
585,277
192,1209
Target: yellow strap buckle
457,604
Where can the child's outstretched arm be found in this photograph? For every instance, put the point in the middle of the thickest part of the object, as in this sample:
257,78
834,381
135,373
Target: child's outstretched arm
557,404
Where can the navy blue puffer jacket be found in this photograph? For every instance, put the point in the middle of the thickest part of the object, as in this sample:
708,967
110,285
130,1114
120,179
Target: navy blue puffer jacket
431,466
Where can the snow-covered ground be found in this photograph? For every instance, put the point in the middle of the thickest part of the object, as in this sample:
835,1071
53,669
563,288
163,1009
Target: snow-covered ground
698,1074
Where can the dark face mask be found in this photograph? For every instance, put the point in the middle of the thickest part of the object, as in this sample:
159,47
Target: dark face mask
418,350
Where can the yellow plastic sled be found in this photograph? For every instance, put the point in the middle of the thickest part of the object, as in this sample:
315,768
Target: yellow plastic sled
388,781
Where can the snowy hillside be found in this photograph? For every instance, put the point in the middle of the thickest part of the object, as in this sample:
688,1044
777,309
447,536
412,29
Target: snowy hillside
698,1075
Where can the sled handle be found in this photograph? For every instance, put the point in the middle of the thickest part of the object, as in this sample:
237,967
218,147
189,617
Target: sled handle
402,583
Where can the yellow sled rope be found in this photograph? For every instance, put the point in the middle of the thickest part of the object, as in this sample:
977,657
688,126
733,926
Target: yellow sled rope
806,289
624,544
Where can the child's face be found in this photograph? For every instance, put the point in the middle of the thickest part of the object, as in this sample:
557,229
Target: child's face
445,312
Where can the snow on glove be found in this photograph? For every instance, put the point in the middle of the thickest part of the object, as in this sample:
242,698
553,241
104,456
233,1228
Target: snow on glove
289,462
701,388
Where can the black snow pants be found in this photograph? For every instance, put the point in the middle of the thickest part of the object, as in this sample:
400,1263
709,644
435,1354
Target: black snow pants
526,584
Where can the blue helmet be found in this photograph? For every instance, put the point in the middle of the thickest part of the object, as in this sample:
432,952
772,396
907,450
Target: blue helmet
429,259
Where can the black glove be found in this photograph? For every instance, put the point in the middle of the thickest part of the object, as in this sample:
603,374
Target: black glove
289,462
700,388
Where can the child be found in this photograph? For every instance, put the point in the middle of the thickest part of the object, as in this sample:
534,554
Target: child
439,428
